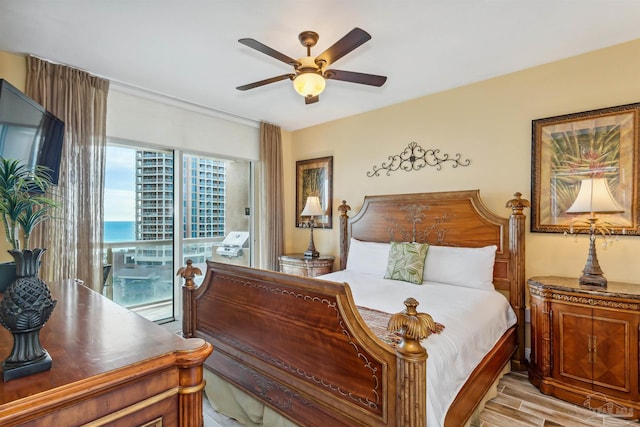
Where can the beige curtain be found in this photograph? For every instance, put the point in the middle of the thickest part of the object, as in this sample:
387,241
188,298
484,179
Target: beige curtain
271,220
74,239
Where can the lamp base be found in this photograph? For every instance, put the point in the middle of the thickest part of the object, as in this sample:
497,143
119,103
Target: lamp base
593,280
311,254
592,273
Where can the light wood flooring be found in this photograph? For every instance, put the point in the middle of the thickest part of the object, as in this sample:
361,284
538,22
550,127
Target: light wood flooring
518,404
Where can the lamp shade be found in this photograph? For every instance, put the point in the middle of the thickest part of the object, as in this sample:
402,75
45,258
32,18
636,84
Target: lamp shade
309,84
594,196
312,207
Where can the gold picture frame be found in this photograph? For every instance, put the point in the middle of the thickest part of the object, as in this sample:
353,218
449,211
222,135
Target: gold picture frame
314,177
569,148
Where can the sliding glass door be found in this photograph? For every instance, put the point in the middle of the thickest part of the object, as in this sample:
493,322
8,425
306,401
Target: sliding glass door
138,229
141,246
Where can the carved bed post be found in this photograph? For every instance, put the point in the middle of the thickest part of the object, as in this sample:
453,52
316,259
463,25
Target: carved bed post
188,273
411,363
517,289
344,233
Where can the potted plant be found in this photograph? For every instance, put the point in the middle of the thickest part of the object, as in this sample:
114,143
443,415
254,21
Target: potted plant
23,205
27,303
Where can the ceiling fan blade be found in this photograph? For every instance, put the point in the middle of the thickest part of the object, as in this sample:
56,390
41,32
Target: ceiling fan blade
254,44
353,77
346,44
266,81
311,99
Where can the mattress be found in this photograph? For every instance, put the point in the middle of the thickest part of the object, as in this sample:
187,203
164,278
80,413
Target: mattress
474,321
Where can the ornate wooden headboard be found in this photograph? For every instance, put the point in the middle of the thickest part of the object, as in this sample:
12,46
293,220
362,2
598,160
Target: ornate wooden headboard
453,218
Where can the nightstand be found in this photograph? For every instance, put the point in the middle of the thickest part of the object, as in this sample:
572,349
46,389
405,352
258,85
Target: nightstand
312,267
584,343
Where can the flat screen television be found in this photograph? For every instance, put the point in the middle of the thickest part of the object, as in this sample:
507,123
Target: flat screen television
28,132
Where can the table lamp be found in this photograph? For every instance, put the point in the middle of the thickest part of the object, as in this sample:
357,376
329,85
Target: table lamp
312,209
594,197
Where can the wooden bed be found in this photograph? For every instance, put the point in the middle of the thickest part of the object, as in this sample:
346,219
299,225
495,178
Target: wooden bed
299,344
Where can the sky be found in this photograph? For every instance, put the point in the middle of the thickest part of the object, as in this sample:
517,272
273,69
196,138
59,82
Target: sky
120,181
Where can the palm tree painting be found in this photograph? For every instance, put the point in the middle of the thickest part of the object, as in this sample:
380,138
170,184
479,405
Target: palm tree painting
568,149
314,178
579,154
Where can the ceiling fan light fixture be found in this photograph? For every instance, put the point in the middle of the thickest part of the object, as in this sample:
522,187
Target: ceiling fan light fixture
310,72
309,84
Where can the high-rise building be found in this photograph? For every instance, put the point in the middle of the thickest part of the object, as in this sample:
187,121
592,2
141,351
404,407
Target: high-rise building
203,205
204,197
154,195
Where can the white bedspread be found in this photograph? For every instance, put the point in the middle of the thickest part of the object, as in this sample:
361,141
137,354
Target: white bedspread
474,320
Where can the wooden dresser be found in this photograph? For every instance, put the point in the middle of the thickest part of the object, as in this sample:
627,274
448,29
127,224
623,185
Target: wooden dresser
110,367
584,343
302,266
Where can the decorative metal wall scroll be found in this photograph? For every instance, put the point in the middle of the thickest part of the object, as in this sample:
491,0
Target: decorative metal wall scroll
414,158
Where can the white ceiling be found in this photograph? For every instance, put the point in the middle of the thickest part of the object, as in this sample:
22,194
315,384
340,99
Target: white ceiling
189,50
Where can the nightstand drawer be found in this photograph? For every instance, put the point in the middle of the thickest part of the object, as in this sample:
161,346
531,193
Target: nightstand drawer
311,267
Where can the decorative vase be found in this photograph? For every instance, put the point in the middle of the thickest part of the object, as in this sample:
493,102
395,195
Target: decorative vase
24,309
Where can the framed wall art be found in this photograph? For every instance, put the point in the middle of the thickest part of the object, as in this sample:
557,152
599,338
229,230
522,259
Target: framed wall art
314,177
592,144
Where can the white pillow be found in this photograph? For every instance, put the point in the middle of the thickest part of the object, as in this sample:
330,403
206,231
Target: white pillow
468,267
368,257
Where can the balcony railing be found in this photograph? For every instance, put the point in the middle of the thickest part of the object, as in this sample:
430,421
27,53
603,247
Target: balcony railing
143,275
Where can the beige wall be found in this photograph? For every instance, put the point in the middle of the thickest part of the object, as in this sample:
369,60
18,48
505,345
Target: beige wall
13,68
291,240
490,124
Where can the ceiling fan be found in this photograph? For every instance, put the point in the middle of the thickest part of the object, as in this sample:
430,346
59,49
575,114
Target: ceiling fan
310,74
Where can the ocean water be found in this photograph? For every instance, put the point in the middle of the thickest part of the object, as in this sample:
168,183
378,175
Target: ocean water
119,231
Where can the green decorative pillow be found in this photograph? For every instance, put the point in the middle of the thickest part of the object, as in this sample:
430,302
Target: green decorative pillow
406,261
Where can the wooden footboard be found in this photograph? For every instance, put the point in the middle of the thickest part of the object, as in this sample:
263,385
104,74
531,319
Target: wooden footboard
299,345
